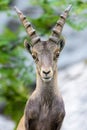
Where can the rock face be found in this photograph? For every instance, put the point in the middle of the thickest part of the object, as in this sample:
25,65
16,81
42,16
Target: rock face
75,49
73,86
5,123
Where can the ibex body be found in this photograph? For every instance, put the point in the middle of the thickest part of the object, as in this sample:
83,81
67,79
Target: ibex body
45,108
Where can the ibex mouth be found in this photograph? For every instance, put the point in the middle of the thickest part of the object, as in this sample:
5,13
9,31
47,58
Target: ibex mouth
46,79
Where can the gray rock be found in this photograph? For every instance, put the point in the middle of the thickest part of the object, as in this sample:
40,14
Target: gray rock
6,123
73,86
75,48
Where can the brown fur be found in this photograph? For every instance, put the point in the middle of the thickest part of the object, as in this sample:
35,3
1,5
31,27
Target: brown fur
21,125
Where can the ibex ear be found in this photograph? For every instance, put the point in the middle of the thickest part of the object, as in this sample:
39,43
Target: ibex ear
61,43
27,45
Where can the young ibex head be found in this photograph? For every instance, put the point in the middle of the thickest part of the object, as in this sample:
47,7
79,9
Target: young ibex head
45,53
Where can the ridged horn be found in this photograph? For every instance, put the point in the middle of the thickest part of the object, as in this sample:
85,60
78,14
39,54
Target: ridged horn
59,26
29,29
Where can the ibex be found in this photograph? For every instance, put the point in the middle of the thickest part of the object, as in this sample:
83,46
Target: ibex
45,108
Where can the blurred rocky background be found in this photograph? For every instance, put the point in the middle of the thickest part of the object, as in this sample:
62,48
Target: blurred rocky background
17,69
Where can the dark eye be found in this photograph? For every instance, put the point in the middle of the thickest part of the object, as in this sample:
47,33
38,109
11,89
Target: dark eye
56,55
35,57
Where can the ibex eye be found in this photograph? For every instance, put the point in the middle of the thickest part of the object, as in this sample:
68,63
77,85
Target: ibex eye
56,55
35,57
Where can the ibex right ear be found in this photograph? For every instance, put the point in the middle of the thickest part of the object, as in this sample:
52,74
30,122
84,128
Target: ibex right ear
61,43
27,46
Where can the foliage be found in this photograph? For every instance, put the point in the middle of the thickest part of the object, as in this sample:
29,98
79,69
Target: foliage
53,8
16,66
3,4
16,72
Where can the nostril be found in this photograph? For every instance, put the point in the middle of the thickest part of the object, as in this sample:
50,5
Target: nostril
46,72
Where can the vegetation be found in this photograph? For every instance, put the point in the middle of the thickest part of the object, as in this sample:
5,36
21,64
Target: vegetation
16,66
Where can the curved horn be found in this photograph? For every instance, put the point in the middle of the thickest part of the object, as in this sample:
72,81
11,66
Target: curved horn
59,25
30,31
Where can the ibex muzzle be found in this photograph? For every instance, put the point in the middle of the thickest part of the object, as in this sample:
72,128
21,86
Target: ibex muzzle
46,73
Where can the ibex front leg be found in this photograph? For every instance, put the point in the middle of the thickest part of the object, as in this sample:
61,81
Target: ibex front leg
31,114
60,120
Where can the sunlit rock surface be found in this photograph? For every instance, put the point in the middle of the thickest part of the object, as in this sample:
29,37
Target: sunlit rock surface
6,124
73,86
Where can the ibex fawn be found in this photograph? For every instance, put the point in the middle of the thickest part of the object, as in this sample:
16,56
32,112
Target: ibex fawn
45,108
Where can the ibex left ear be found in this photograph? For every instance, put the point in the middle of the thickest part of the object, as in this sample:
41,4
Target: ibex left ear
61,43
27,45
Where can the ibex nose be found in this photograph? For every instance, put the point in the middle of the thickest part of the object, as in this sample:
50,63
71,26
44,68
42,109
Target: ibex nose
46,72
